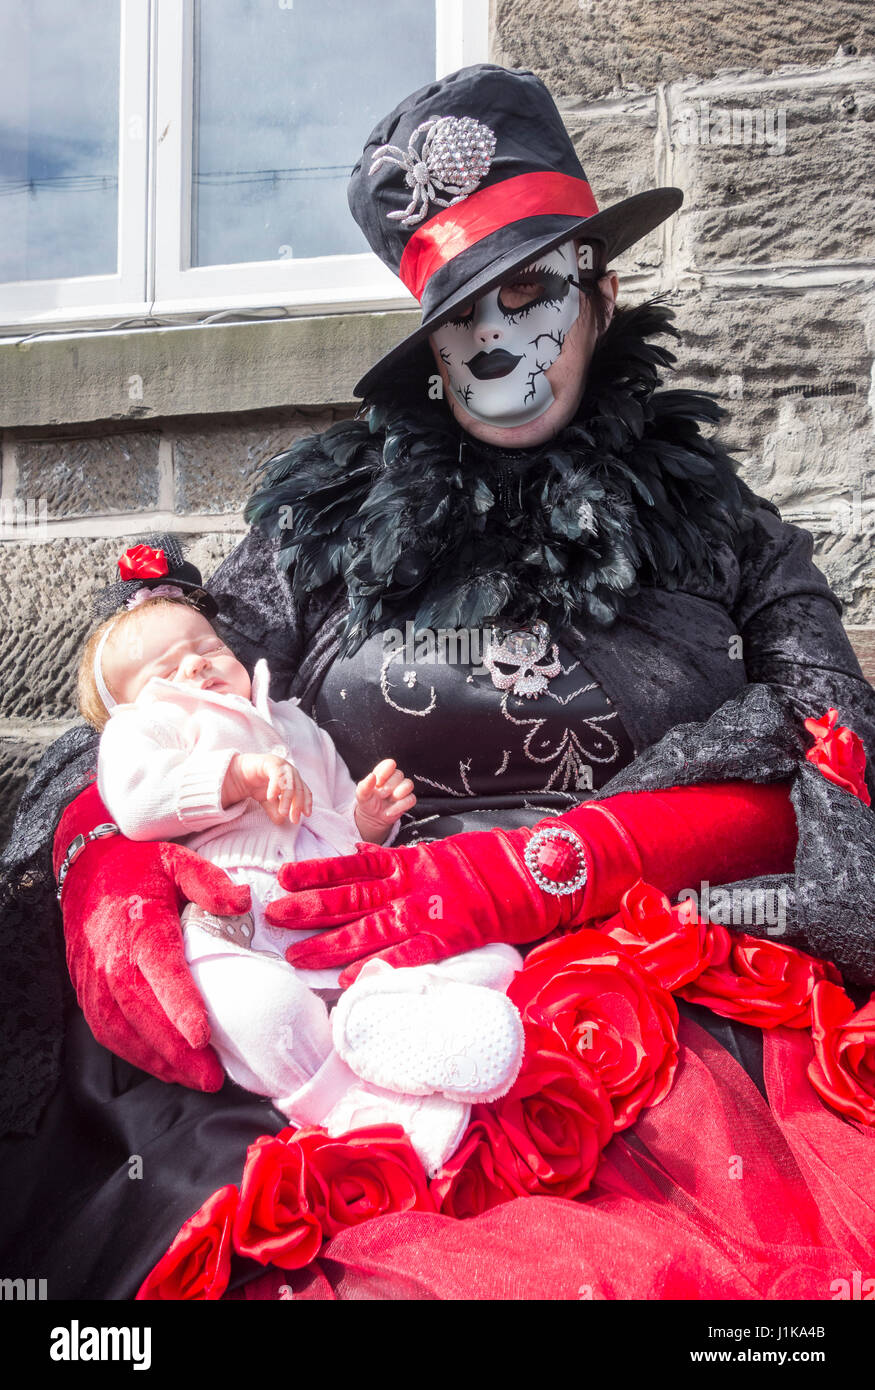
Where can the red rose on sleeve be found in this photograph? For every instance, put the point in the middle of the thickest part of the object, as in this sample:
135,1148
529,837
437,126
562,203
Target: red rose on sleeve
274,1223
608,1012
198,1264
357,1176
839,754
843,1069
670,943
557,1118
760,982
481,1173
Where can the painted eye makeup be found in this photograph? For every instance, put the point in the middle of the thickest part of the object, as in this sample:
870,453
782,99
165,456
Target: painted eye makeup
539,286
463,315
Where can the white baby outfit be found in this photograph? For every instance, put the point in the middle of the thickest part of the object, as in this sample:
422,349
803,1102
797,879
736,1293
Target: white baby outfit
412,1046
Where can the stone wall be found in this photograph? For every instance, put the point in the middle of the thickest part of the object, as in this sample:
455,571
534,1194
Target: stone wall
763,118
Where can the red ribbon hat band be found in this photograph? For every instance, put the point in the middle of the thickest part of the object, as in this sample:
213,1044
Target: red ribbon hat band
452,231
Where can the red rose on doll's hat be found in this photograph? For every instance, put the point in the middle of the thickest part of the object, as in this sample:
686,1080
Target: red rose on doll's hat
145,565
142,562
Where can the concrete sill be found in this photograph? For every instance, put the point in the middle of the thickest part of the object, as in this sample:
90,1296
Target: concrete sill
192,369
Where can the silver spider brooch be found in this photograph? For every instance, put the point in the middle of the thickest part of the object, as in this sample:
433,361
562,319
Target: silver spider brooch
455,155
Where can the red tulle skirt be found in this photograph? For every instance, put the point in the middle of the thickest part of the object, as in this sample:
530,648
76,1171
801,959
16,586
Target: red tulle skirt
712,1194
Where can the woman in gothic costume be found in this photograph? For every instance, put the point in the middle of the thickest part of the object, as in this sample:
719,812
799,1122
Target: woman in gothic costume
657,637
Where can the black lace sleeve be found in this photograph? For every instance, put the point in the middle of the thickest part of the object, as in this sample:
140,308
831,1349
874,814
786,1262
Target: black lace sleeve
258,614
799,662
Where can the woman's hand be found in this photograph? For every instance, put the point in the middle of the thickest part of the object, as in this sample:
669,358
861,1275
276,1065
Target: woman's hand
274,782
121,902
415,904
381,799
422,903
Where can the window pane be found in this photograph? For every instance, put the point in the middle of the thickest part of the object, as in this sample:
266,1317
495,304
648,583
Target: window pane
285,93
59,95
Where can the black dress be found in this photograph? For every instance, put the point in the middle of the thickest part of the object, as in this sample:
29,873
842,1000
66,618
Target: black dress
513,758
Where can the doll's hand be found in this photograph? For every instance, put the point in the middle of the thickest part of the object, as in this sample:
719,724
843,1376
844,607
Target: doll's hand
382,798
270,780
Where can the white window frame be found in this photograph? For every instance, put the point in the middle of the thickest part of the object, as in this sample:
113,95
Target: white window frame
123,292
155,278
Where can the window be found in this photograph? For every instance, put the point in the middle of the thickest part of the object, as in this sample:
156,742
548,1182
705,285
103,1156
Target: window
181,158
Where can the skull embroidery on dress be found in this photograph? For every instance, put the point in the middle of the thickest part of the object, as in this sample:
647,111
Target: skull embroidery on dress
523,652
498,349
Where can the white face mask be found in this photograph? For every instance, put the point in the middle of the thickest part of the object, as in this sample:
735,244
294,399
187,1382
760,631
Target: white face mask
498,349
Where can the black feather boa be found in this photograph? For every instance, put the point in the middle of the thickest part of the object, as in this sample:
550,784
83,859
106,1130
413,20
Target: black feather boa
421,519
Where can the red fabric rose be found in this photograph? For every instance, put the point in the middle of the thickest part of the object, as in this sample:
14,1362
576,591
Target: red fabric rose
198,1263
482,1172
839,754
670,943
274,1223
843,1070
142,562
357,1176
760,982
557,1118
609,1013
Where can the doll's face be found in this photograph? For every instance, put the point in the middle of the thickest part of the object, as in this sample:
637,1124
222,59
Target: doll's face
514,361
177,643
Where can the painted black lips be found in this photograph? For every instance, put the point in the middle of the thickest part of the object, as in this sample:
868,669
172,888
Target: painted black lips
486,366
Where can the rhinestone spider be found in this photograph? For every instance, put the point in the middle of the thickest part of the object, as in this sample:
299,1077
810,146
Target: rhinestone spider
455,155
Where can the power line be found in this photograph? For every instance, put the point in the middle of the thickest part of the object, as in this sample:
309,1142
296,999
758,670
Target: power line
88,183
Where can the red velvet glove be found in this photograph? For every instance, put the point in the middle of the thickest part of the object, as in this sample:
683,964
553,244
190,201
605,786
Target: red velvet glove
121,903
422,903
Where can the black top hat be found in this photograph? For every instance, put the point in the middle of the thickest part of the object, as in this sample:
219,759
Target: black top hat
152,561
469,179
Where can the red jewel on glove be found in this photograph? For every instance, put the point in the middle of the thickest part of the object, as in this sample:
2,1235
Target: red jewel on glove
142,562
556,860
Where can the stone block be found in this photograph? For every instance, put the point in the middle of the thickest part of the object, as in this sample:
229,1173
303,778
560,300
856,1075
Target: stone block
215,462
90,475
18,756
863,642
618,154
591,48
793,372
773,176
46,594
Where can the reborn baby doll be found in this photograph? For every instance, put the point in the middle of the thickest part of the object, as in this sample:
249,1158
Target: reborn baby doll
192,749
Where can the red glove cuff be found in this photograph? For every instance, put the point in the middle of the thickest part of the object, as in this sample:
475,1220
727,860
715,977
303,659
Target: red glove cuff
677,839
83,814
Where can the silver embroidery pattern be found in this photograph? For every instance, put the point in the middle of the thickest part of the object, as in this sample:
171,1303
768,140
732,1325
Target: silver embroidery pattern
455,155
387,661
564,756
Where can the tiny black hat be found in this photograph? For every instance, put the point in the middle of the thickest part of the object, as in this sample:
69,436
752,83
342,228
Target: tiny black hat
471,178
153,561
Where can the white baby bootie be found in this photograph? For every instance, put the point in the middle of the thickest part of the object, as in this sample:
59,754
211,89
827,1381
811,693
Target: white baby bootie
420,1033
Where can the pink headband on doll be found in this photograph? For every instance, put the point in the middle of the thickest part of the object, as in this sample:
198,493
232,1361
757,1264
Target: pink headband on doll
141,596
